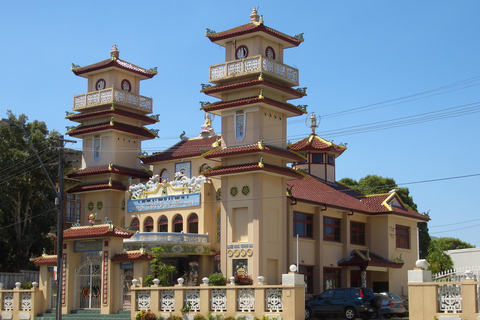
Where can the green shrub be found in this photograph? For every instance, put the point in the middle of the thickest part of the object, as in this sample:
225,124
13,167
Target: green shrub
199,317
26,285
174,318
229,318
217,279
145,315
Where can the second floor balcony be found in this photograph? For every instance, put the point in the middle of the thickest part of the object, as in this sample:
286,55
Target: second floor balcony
172,242
110,95
253,65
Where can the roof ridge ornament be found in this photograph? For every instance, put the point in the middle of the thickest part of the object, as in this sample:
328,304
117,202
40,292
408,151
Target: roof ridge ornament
114,53
254,17
312,121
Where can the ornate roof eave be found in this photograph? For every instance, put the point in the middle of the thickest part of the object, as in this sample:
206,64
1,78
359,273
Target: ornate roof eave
95,231
110,111
252,149
365,258
252,167
49,260
216,91
249,30
112,169
97,186
308,144
137,255
170,153
290,109
113,63
140,131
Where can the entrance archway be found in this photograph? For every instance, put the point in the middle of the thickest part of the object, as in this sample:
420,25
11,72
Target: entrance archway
88,284
127,278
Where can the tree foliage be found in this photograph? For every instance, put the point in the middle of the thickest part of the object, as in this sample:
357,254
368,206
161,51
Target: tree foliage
438,259
27,206
373,184
160,270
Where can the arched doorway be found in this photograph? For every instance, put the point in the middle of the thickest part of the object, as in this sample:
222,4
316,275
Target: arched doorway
88,284
127,278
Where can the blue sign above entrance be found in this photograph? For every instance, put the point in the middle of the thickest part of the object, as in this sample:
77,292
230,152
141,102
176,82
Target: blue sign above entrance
167,202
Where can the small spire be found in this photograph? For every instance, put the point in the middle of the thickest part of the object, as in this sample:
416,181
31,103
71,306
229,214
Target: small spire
254,17
114,53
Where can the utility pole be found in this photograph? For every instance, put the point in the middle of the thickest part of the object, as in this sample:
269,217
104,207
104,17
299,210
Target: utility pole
61,163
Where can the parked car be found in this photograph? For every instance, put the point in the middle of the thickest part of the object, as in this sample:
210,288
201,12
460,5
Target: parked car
346,302
390,307
397,297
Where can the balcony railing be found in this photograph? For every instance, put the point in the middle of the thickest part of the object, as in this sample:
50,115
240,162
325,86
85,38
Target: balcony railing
255,64
168,237
109,96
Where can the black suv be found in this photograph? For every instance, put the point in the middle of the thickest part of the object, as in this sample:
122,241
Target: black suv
346,302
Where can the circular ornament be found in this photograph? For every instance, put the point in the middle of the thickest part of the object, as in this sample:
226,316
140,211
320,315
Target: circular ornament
243,252
245,190
250,252
233,191
177,248
95,291
100,85
230,253
270,53
219,194
241,52
90,206
126,85
237,253
99,205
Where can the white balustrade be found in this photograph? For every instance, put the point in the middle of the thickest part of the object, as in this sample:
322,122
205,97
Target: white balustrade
144,300
167,300
8,301
218,302
274,300
193,299
450,298
109,96
26,301
246,300
254,64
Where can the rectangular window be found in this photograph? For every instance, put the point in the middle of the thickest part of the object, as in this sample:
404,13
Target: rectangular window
307,272
331,229
73,207
402,235
357,233
331,278
317,158
303,224
331,160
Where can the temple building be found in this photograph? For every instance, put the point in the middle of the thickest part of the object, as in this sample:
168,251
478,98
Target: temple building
237,201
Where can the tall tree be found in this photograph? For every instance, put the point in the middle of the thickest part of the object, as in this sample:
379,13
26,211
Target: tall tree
373,184
27,210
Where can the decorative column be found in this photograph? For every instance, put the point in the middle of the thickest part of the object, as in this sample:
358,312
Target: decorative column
363,273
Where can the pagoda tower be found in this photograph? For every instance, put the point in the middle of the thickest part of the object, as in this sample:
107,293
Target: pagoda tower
254,86
112,116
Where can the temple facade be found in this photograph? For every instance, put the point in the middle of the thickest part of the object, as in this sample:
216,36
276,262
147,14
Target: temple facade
241,201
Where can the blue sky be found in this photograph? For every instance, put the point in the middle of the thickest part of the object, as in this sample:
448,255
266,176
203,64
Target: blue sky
356,55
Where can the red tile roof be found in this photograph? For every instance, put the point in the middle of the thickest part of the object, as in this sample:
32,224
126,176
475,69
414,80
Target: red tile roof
132,256
252,28
45,260
95,186
244,101
253,148
136,173
314,142
375,204
110,111
144,132
252,167
183,149
103,230
313,190
114,63
252,83
316,191
364,258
